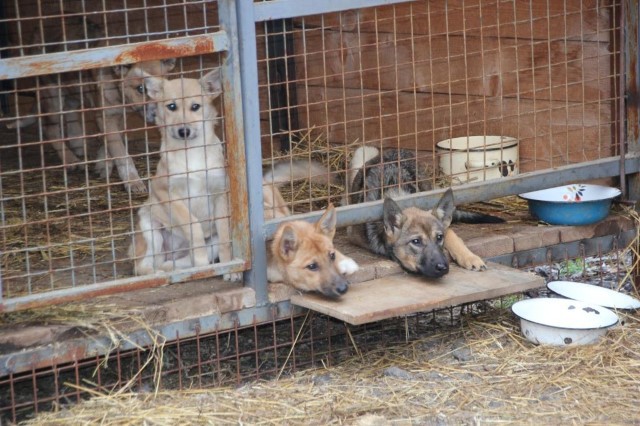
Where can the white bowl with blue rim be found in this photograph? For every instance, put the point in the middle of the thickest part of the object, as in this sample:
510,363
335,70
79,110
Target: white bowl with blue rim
575,204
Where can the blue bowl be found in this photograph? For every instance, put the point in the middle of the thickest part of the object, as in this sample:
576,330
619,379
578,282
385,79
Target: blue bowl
578,204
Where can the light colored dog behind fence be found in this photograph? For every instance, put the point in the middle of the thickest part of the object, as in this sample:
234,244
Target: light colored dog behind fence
185,221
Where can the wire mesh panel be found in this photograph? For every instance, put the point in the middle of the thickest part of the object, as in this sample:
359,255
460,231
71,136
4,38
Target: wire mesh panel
477,89
80,146
405,76
221,358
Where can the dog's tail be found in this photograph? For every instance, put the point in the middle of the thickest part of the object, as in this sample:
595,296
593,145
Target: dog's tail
21,122
463,216
28,120
360,157
286,171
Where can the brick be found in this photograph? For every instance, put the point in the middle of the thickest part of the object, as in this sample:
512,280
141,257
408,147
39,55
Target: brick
611,225
541,236
576,233
491,245
235,299
184,308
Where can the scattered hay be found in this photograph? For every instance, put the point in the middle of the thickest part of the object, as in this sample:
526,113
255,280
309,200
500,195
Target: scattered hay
502,378
305,196
98,319
54,227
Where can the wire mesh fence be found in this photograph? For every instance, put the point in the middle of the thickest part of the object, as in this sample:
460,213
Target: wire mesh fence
442,80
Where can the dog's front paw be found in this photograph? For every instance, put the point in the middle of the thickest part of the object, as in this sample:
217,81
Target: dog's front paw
347,266
136,187
233,277
473,263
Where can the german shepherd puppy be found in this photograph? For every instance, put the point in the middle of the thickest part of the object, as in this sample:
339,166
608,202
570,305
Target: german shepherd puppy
418,240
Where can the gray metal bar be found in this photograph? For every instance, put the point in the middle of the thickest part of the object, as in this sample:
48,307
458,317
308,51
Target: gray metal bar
282,9
481,191
53,63
256,278
117,286
89,347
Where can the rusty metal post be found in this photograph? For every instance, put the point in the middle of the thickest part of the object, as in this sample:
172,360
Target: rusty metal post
235,140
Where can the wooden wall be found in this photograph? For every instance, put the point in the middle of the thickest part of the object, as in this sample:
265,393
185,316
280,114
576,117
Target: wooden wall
417,73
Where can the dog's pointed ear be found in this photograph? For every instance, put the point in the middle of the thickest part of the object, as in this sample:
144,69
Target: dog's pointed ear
445,208
154,87
288,241
212,82
167,65
391,216
327,223
122,70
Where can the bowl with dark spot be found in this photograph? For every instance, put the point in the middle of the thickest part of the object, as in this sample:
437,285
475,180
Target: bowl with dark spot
563,322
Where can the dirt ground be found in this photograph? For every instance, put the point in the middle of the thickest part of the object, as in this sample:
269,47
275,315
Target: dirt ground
482,371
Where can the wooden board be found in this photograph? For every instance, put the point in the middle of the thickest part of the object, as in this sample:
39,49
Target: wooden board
404,294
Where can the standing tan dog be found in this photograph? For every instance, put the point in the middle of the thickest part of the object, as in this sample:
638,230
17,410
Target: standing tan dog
60,97
185,221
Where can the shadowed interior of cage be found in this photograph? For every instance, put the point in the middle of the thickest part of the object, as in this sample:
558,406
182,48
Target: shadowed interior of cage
66,221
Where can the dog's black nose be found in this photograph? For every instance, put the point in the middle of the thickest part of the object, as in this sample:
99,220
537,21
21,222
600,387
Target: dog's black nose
442,267
342,288
184,132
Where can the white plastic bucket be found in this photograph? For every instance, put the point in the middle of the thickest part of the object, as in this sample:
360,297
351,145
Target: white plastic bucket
478,158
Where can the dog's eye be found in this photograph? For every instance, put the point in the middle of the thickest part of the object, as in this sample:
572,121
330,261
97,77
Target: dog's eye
332,255
172,106
195,107
416,241
440,237
140,89
312,266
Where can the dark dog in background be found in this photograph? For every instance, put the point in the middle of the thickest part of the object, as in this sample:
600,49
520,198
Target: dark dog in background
419,240
60,99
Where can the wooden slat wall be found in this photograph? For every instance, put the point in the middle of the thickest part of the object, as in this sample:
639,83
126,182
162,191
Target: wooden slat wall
417,73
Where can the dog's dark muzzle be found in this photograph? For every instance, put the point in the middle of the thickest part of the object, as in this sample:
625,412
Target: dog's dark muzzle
434,264
338,287
435,271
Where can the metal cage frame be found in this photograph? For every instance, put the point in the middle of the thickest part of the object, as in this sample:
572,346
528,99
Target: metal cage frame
237,38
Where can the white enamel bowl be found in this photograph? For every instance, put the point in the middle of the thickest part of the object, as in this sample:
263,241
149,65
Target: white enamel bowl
594,294
563,322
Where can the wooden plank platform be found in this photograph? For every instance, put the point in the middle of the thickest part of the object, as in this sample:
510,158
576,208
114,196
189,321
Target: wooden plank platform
404,294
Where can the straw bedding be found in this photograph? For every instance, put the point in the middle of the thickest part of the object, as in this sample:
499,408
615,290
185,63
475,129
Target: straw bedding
481,372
